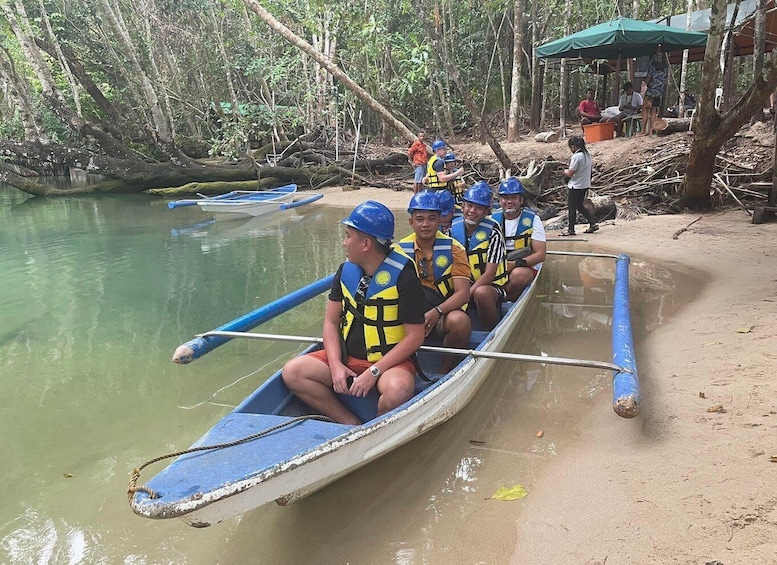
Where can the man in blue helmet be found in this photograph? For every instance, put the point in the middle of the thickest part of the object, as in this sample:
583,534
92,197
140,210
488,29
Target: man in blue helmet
436,175
442,266
374,323
482,238
524,237
447,210
456,185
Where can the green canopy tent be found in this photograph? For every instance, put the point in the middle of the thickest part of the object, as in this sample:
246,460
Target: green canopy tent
621,38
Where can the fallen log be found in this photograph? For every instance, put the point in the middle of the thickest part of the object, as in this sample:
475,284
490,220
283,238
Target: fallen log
546,137
675,126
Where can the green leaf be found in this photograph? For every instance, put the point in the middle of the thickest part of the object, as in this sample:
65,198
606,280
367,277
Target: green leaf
509,493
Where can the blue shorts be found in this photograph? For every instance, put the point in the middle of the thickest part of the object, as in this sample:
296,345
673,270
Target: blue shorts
420,173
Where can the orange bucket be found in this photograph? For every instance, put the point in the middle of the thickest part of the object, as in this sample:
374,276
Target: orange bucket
598,132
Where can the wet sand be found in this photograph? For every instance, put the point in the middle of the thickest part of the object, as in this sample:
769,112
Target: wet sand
690,480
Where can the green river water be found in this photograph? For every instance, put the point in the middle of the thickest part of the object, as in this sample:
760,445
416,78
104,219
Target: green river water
96,295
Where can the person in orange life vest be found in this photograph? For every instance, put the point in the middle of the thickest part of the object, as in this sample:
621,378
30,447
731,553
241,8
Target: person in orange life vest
376,309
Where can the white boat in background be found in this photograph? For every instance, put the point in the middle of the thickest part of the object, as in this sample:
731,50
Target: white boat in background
244,204
248,204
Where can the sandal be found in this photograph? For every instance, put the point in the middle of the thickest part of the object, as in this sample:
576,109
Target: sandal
566,233
592,229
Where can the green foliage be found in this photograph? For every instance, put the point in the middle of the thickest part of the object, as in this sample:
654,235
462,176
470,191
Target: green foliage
11,127
380,45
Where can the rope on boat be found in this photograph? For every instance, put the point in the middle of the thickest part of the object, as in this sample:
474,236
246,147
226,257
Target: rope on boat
133,482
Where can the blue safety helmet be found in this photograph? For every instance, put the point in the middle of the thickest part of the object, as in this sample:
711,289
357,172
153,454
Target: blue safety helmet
372,218
439,144
447,203
450,157
424,200
479,193
510,186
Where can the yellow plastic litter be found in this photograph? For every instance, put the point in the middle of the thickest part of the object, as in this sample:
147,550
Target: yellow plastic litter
509,493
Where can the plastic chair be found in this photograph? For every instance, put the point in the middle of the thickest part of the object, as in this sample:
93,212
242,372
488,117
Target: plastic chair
718,98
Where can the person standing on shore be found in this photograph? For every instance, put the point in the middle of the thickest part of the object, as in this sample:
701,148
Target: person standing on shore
417,155
579,173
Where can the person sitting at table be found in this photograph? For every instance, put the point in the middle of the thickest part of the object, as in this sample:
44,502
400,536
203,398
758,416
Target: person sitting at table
589,110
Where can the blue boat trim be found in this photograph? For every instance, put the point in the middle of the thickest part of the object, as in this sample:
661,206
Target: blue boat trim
199,346
298,203
625,385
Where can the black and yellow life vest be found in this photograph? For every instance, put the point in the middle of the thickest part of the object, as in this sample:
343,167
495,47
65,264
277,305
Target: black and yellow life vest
442,260
456,187
432,180
522,237
477,248
379,311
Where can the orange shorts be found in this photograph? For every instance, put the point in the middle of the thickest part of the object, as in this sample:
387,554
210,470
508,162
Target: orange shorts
358,366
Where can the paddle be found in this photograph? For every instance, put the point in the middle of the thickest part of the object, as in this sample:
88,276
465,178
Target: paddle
445,350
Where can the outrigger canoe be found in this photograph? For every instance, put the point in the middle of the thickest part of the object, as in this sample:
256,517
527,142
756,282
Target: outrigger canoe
247,203
306,454
272,447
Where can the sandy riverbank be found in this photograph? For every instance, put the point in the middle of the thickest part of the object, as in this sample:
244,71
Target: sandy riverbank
679,484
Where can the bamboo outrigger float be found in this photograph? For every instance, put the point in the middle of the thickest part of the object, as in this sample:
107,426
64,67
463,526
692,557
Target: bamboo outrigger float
272,447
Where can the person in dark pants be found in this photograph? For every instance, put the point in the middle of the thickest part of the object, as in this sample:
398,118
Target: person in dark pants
579,173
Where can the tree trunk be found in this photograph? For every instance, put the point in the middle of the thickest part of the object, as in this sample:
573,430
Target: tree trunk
61,58
453,71
536,71
513,124
306,48
19,91
161,128
111,118
684,64
712,129
758,50
20,25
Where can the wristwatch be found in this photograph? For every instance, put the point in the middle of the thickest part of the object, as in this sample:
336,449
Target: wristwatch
374,371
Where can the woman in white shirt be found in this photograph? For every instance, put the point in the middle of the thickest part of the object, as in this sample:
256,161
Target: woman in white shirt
579,173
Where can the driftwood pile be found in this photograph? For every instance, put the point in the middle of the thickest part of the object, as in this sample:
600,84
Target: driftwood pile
743,178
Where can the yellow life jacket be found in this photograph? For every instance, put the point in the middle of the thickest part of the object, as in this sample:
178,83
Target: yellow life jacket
379,311
522,236
442,260
432,180
477,248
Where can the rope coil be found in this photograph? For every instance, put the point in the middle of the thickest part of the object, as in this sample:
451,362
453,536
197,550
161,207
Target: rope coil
133,482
